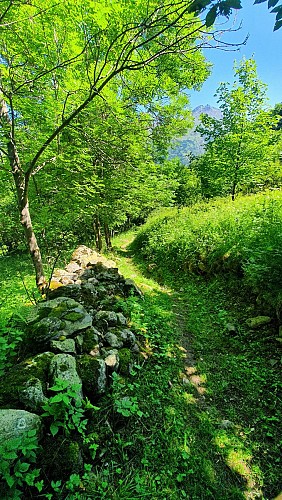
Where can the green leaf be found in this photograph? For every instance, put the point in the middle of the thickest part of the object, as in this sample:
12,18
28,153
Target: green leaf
272,3
39,485
54,429
10,481
259,1
10,455
234,4
23,467
277,25
58,398
211,16
31,433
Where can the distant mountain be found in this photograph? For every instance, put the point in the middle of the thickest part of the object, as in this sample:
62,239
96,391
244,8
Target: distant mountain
192,142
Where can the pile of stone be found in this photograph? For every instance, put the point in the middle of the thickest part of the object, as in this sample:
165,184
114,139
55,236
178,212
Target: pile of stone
78,335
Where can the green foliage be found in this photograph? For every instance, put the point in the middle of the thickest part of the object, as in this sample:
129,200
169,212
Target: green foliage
10,340
240,151
220,236
18,456
66,409
127,406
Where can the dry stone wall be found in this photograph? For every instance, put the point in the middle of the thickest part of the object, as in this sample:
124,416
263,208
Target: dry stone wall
78,335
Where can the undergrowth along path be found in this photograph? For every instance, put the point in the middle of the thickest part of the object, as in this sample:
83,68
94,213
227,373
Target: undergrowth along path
222,394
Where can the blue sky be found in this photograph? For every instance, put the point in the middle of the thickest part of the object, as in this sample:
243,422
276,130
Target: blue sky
263,44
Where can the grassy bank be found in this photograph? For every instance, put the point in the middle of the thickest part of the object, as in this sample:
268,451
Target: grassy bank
243,238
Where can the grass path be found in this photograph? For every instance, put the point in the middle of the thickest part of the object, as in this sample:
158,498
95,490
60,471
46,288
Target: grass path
220,396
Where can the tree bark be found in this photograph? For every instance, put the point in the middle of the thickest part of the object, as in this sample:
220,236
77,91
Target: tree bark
98,236
107,236
21,183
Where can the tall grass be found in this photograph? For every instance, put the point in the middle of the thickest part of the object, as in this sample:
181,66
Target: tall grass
242,237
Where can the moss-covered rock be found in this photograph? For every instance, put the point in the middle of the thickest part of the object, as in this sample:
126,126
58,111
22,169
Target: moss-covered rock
64,345
15,423
63,318
14,382
32,395
258,321
125,360
73,316
92,371
63,366
90,340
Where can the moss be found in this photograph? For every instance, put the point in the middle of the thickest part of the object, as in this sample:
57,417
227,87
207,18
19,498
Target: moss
59,310
73,316
60,457
91,370
125,359
15,380
90,340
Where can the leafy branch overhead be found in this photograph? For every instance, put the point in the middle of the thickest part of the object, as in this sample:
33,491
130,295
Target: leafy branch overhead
224,8
276,10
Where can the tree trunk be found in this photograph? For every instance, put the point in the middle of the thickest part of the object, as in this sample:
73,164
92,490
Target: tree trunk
97,230
21,183
233,191
107,236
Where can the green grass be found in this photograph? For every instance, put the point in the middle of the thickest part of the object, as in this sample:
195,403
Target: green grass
17,286
242,237
227,414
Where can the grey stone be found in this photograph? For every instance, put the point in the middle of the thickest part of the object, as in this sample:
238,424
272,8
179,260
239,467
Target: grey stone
135,349
32,395
15,423
92,371
128,338
80,253
47,329
63,366
79,342
109,316
67,345
88,274
93,281
226,424
112,340
258,321
67,281
65,317
121,319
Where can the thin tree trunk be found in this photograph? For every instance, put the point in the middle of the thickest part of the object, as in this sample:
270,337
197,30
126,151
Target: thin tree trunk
107,236
21,183
98,236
